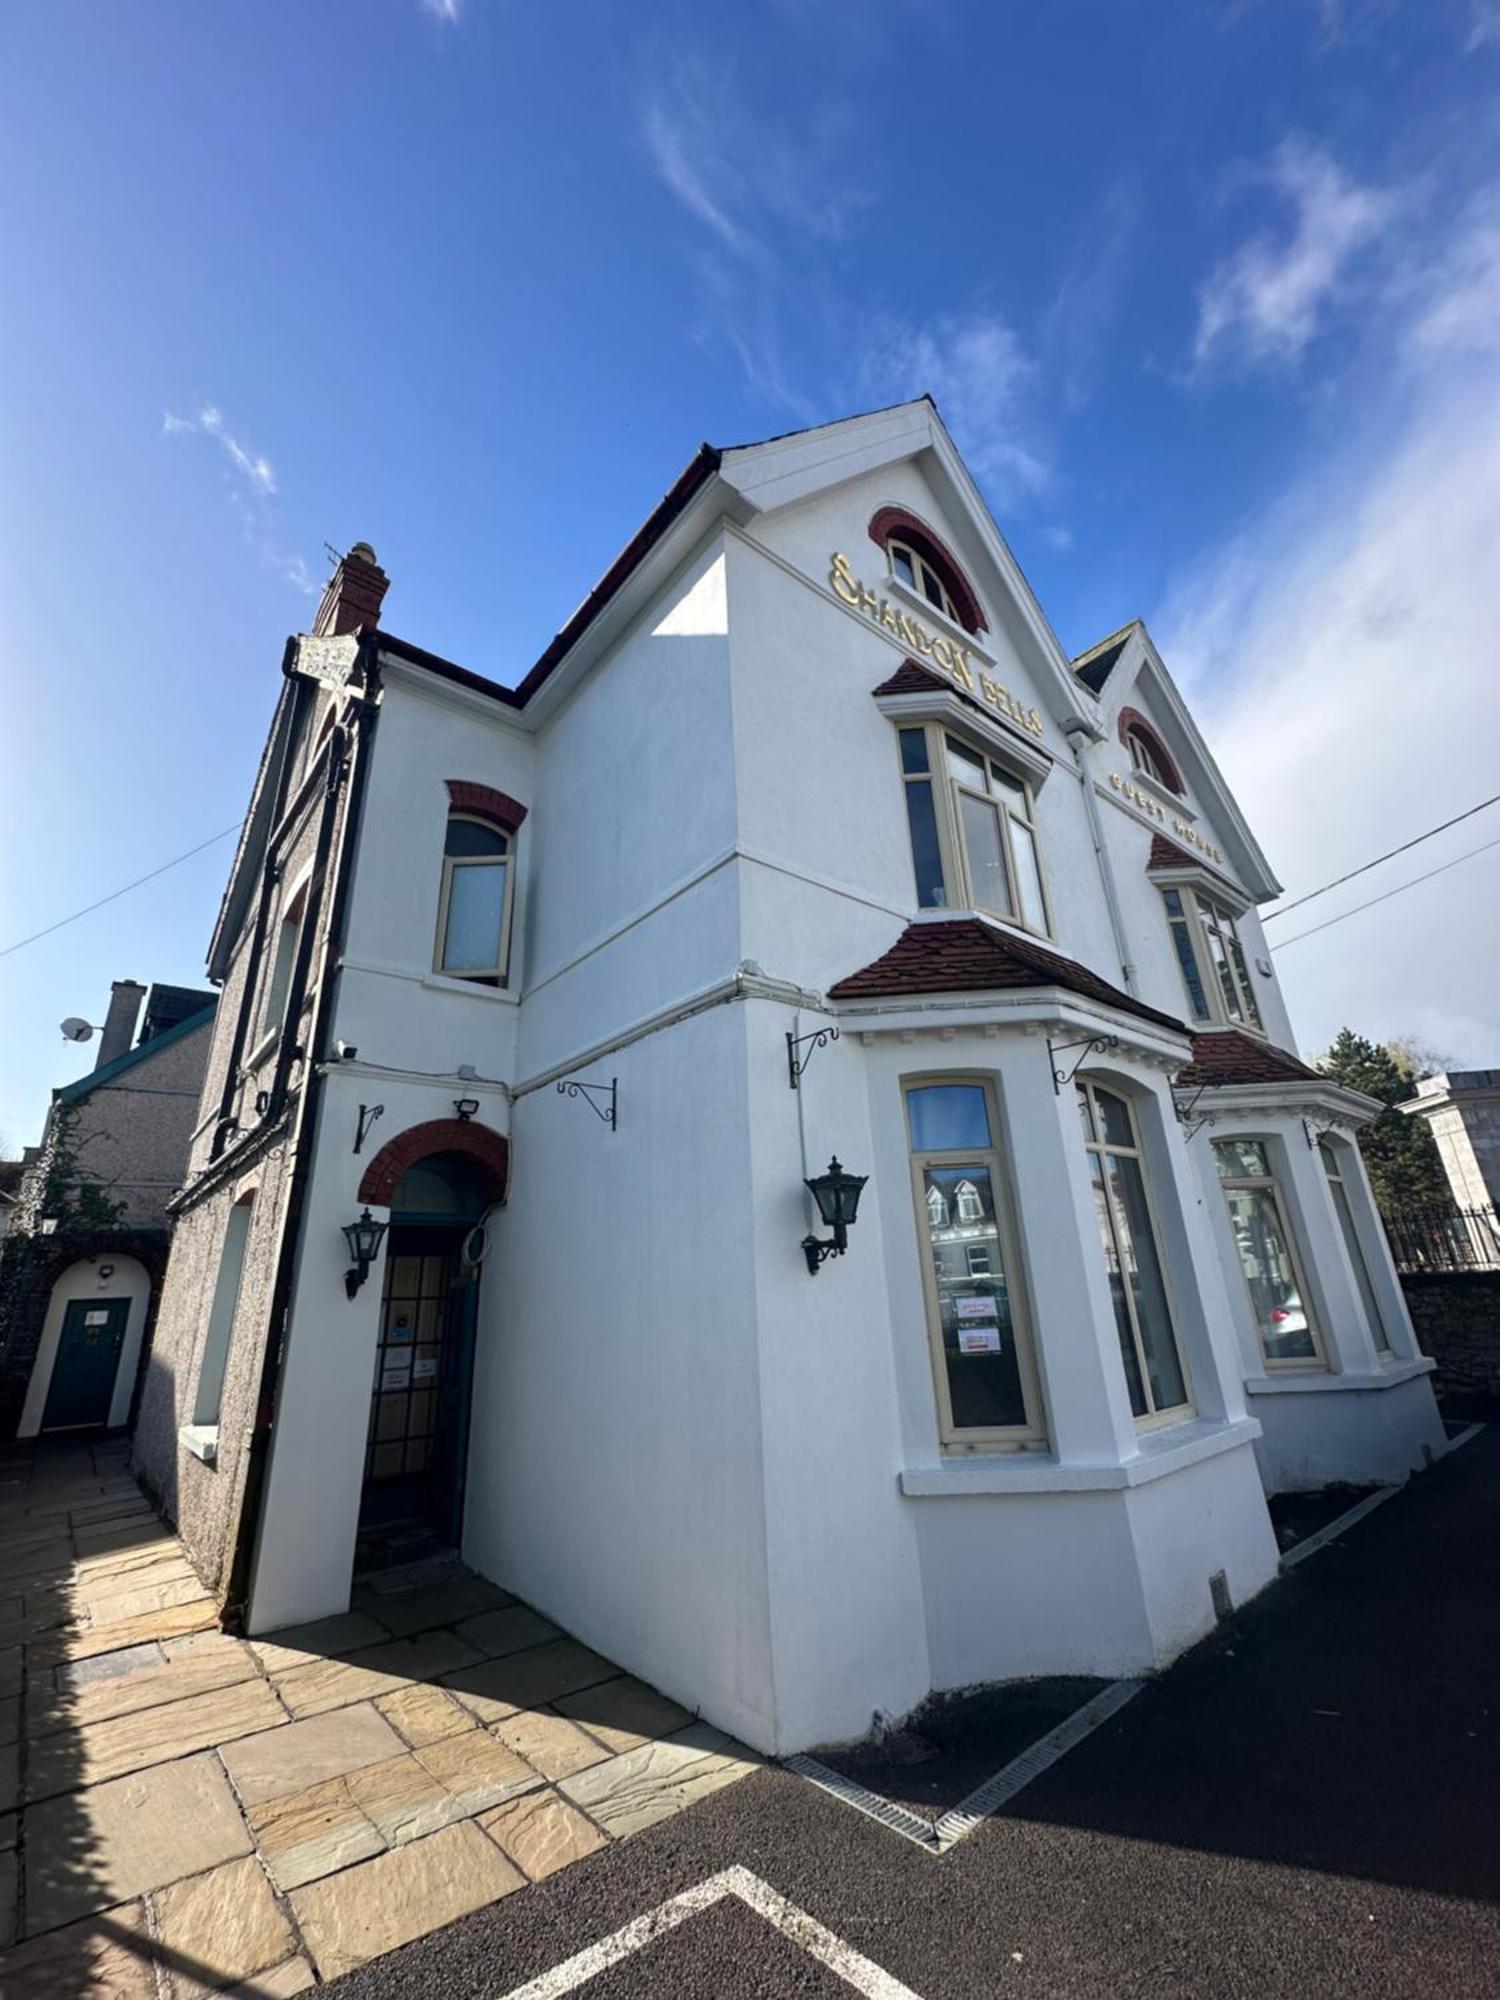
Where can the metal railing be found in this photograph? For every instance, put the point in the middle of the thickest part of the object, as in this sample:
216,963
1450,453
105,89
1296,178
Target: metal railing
1444,1239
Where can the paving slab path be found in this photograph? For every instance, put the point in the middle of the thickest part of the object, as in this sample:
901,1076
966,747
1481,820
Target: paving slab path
183,1812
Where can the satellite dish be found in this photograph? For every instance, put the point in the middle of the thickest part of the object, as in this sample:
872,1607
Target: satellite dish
75,1030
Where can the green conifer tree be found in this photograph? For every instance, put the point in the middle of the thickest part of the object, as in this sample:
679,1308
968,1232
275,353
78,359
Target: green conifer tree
1399,1152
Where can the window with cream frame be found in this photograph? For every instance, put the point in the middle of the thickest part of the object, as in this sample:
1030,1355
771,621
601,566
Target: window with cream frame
973,829
1211,958
1342,1173
1156,1376
1144,759
1280,1306
979,1331
917,573
474,907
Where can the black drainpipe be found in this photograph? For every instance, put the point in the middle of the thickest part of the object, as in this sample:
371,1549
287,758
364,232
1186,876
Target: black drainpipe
247,1527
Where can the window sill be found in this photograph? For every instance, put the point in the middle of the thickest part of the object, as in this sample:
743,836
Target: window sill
442,982
264,1047
1389,1375
202,1440
947,628
1161,1453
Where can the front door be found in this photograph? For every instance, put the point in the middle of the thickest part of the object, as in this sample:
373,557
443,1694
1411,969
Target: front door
87,1361
419,1401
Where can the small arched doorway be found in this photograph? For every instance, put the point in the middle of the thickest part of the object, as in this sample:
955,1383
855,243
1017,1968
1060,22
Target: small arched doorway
416,1447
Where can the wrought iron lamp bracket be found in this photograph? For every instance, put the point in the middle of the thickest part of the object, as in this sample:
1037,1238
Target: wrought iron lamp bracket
368,1113
795,1064
1192,1126
603,1099
1092,1045
1314,1133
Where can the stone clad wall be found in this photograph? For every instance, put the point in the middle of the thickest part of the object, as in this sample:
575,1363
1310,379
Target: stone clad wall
29,1268
1457,1318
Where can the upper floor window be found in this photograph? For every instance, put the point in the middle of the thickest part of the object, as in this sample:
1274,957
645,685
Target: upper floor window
1154,1373
973,830
284,961
1145,760
1206,938
924,565
981,1347
919,575
473,939
1263,1240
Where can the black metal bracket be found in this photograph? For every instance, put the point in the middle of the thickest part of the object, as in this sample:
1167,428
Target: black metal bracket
1192,1126
1313,1133
816,1248
795,1064
608,1108
1094,1045
368,1113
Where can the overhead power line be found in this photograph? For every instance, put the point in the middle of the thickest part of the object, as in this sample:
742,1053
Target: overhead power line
115,894
1442,869
1365,867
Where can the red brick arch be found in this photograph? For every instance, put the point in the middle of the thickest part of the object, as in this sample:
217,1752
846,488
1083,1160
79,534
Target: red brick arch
908,527
1133,723
484,799
489,1151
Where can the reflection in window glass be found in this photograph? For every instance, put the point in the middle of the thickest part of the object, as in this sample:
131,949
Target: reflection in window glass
1154,1374
1338,1188
977,1321
1262,1240
475,893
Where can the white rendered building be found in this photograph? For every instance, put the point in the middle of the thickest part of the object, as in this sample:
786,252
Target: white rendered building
802,838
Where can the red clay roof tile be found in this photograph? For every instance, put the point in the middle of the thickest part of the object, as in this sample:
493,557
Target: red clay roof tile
1227,1056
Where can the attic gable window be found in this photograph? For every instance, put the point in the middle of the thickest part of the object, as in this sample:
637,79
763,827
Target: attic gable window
1143,758
922,563
1148,754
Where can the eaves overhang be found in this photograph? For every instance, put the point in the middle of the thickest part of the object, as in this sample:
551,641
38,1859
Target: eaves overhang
1217,1101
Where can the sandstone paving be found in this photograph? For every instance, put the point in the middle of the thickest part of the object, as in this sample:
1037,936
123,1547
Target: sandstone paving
324,1638
549,1743
303,1835
148,1687
220,1927
635,1790
135,1597
542,1833
279,1761
528,1680
107,1845
293,1975
423,1610
424,1714
624,1713
197,1616
108,1955
495,1633
387,1902
103,1750
376,1670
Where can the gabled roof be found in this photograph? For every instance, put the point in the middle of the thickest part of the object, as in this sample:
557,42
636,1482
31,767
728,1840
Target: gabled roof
1093,667
71,1093
969,955
1226,1056
1137,671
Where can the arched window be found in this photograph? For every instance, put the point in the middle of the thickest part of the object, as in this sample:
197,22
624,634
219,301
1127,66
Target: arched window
283,963
923,564
1148,754
473,940
1143,758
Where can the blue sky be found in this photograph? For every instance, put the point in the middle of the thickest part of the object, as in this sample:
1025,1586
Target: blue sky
1209,293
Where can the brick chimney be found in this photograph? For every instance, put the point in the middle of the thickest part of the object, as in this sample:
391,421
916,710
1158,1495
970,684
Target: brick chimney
118,1032
354,594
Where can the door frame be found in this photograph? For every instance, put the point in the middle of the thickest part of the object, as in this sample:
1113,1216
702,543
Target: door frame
114,1309
81,1280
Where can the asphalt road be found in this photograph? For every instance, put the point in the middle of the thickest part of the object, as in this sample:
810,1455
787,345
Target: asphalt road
1307,1804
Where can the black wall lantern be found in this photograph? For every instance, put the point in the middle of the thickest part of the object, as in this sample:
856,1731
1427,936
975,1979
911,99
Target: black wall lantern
364,1239
837,1195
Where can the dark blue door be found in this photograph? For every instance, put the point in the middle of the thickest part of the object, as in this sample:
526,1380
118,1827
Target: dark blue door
88,1358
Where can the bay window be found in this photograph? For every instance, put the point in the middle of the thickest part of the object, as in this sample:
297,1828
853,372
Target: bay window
473,940
1279,1304
981,1349
973,829
1215,973
1334,1158
1154,1372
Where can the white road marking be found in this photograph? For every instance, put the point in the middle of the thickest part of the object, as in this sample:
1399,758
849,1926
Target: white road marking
960,1820
851,1966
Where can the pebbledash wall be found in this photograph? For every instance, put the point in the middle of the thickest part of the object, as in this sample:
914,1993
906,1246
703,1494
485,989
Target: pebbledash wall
726,1473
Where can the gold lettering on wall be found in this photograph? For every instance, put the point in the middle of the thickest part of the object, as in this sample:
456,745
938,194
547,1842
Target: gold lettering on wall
1154,809
948,655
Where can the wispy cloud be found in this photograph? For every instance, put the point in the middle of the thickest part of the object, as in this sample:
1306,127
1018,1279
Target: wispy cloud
253,490
1076,330
1271,296
1338,649
1484,26
445,10
252,466
975,368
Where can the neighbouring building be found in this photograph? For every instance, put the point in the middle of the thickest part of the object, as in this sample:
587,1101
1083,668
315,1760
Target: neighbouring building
1462,1110
802,838
86,1244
